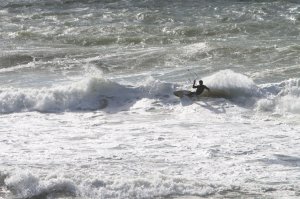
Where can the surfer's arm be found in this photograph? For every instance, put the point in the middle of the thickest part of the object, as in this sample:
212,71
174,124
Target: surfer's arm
207,88
194,84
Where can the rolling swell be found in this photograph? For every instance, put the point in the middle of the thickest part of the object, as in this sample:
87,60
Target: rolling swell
239,35
143,20
7,61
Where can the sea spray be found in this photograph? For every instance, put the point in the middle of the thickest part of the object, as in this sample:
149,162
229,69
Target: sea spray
229,84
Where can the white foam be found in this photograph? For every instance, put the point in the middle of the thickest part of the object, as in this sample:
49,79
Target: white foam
195,48
82,95
25,185
265,105
281,98
229,84
91,93
157,88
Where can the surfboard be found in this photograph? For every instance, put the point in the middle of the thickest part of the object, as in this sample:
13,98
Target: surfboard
182,93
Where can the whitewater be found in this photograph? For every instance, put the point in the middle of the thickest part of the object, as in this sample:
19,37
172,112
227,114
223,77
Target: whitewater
87,108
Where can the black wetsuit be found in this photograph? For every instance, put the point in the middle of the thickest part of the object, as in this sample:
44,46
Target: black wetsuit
200,88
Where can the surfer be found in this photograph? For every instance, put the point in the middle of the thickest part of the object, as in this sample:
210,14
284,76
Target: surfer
200,88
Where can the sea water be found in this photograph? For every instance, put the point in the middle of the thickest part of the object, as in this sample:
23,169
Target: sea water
87,107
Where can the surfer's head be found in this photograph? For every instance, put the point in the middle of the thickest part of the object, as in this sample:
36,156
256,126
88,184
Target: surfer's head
200,82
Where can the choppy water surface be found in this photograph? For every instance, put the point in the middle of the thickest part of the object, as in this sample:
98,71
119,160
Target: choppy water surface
87,107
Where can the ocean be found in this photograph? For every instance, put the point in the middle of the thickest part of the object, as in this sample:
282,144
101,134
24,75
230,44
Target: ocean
87,108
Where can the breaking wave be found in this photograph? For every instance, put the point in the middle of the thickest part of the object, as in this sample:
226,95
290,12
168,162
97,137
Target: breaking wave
26,185
94,93
89,94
